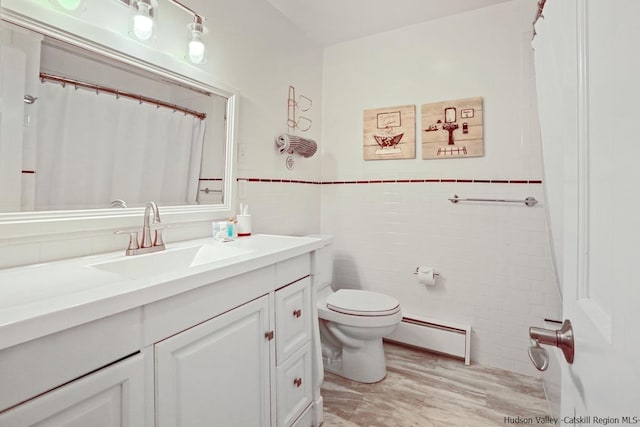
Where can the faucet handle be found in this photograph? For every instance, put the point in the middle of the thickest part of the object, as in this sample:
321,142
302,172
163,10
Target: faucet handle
157,239
133,241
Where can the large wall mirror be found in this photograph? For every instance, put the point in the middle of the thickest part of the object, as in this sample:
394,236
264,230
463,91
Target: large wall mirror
87,132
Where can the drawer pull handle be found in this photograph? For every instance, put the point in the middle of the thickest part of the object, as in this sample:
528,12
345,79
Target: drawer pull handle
297,313
268,335
297,382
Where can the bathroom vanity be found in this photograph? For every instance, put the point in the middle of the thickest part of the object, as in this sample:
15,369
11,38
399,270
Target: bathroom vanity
201,334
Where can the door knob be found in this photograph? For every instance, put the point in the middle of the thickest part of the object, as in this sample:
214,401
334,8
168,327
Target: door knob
561,338
539,356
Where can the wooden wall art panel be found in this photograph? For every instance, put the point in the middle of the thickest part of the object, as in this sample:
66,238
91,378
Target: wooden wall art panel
452,129
390,133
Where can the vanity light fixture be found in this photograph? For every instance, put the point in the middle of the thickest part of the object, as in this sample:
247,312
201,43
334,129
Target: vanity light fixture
70,5
143,23
197,49
144,13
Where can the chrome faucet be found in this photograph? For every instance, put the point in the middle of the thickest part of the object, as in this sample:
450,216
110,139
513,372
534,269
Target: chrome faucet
146,243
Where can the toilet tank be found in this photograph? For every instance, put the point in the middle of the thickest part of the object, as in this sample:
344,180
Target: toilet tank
322,265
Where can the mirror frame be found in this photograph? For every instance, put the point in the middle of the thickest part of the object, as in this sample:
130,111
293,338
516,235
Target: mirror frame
17,225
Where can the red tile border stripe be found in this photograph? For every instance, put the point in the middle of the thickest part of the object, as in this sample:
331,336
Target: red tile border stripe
396,181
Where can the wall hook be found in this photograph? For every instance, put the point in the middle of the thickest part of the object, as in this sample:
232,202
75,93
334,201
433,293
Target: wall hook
302,103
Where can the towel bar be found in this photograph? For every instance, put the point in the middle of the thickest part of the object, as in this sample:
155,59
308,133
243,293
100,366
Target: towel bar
529,201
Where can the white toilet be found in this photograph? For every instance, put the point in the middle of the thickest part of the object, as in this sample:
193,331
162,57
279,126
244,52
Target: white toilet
352,324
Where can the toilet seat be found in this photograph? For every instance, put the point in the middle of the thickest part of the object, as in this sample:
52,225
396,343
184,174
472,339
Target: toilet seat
362,303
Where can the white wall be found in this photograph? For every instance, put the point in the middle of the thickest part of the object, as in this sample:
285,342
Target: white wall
494,259
261,54
251,48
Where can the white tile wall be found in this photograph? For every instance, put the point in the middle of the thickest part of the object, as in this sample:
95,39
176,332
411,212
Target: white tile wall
493,258
12,253
283,208
37,249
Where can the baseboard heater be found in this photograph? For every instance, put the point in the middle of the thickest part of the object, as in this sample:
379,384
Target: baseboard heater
433,335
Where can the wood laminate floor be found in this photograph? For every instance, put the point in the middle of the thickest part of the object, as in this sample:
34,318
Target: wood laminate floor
423,389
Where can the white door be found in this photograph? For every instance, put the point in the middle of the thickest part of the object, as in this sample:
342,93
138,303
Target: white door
587,56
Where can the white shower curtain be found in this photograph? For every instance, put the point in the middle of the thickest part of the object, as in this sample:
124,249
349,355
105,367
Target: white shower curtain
552,50
96,148
12,91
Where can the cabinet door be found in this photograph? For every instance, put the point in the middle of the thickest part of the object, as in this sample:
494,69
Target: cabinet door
110,397
216,373
306,419
293,318
294,386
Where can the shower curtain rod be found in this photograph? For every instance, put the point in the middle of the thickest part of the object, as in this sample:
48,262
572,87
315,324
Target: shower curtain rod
118,93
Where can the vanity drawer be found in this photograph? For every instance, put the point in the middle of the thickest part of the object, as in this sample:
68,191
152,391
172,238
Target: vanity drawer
293,318
113,396
173,315
48,362
292,269
294,386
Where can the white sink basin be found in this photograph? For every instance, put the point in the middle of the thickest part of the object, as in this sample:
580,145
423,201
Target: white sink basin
168,261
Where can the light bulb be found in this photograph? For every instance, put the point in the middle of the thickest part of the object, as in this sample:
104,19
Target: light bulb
142,27
196,51
142,21
197,48
68,4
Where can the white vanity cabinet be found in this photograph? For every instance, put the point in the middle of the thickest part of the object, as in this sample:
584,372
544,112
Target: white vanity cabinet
110,397
247,366
223,348
216,373
91,374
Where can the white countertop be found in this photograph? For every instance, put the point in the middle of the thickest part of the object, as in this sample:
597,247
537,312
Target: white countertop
41,299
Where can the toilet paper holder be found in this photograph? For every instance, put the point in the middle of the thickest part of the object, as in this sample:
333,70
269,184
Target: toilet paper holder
434,273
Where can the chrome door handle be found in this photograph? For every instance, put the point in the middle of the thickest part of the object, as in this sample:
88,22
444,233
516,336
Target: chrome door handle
561,338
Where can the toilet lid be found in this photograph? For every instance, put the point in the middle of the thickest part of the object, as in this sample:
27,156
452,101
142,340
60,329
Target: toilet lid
362,303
